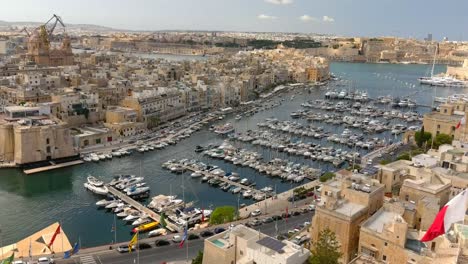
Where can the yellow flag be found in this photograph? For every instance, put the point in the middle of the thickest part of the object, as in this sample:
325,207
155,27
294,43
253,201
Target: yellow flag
132,242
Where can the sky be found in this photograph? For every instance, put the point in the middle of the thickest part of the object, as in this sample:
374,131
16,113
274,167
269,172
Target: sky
405,18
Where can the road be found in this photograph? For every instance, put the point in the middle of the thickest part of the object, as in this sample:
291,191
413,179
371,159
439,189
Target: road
173,252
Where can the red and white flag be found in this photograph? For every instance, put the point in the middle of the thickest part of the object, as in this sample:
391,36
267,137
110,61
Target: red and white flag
452,212
57,231
461,122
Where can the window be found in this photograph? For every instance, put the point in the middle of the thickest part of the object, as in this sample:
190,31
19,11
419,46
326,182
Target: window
438,126
241,252
48,149
384,258
406,197
445,110
98,141
386,243
47,141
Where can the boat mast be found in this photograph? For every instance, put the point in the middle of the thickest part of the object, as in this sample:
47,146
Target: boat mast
434,61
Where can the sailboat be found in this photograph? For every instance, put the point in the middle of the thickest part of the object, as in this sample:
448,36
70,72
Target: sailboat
445,81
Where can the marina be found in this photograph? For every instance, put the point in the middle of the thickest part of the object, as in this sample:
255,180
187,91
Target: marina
58,195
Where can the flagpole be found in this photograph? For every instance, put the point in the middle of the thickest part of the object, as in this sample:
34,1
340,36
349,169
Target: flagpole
30,249
138,247
61,234
115,230
186,242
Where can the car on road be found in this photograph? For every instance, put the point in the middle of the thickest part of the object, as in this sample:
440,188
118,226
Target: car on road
311,207
19,262
296,213
162,242
219,230
176,239
306,223
277,217
206,233
45,260
267,220
123,249
257,212
193,236
255,222
141,246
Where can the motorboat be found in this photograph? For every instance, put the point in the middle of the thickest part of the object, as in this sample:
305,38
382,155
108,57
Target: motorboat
247,194
138,185
236,190
145,227
132,216
104,202
140,221
157,232
94,181
113,204
101,190
196,174
139,190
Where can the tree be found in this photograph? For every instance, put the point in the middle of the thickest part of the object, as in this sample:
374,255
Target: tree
422,137
442,139
222,215
327,176
404,156
326,250
198,259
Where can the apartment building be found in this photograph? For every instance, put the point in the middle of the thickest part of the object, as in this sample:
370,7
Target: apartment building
346,203
241,244
445,120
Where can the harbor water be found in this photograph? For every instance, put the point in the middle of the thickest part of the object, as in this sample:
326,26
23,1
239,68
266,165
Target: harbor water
31,202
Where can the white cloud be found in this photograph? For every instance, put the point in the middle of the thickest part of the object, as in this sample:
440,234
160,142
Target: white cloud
307,18
328,19
266,17
279,2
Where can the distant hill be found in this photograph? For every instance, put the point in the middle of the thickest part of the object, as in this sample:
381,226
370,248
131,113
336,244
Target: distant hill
90,27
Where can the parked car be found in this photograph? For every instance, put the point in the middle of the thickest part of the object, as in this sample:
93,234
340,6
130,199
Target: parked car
176,239
45,260
311,207
267,220
255,222
206,233
306,223
123,249
296,213
219,230
162,242
257,212
141,246
193,236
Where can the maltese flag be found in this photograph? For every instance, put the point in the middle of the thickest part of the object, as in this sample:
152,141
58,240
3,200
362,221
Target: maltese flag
452,212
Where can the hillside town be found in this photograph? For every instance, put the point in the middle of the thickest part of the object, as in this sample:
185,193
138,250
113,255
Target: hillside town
222,147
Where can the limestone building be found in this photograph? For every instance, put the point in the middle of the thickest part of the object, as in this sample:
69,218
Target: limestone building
241,244
26,136
345,204
446,119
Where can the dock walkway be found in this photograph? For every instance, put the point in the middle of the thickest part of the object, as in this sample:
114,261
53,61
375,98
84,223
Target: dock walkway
153,215
53,167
